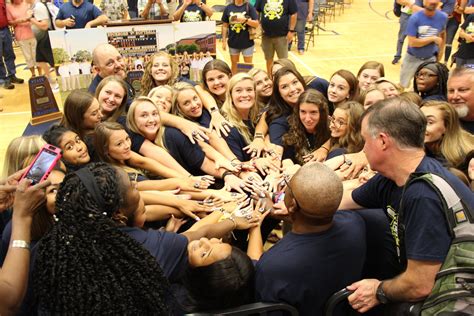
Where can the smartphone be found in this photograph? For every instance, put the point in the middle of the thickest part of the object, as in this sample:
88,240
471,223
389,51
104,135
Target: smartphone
73,17
44,162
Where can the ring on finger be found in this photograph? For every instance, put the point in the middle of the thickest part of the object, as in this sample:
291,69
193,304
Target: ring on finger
196,185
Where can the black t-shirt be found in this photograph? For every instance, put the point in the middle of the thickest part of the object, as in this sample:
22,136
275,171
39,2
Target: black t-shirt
466,50
193,13
275,16
238,32
426,233
188,155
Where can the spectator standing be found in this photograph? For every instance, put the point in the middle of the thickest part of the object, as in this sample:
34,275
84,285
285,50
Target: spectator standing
426,37
278,20
408,8
151,9
78,14
40,24
115,10
237,18
465,54
7,55
305,14
18,17
193,11
132,8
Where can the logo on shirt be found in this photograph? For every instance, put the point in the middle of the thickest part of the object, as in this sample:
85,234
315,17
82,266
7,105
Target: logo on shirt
393,216
273,9
192,16
426,31
236,27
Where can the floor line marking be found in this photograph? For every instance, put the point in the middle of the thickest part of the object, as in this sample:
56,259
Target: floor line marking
300,61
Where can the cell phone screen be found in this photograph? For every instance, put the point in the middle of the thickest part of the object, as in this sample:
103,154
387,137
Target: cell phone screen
41,166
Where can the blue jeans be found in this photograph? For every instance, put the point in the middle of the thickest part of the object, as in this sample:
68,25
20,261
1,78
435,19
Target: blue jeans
451,29
7,55
401,33
300,28
300,33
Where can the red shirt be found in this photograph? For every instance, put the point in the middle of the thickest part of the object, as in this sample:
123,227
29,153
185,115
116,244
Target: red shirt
3,14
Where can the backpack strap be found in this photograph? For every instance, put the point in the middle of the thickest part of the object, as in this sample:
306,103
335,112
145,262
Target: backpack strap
459,216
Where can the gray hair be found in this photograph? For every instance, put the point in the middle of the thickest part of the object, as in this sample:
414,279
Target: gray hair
399,118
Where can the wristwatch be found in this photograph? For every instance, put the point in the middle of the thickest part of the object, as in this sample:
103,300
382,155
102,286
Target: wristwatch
380,294
292,31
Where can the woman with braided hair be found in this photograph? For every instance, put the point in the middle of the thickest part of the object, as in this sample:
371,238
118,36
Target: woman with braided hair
85,264
431,81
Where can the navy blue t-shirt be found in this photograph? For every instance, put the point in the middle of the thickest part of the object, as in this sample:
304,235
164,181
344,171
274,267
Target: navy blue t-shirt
426,232
238,32
188,155
193,13
304,270
236,142
275,16
169,249
319,84
205,118
277,128
467,125
86,12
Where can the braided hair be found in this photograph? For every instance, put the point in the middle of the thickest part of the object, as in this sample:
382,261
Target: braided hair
86,265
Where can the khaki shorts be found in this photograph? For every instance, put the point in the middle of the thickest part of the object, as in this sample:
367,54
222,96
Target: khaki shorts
270,45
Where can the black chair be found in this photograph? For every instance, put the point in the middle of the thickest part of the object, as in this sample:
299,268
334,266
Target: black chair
393,309
335,300
252,309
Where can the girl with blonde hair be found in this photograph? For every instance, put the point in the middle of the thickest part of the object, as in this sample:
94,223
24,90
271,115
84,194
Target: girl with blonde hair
444,137
241,110
20,149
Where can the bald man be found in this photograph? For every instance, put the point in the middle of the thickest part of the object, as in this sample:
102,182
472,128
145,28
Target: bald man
323,253
109,62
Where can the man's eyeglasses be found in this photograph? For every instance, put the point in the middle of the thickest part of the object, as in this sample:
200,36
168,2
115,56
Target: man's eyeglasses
337,123
425,75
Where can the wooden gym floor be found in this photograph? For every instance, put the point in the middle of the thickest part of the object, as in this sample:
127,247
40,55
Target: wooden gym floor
364,31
